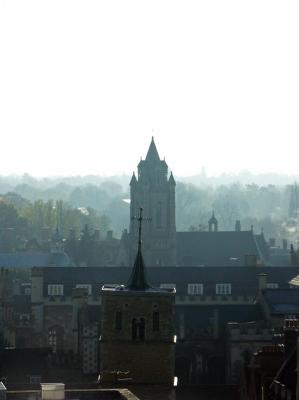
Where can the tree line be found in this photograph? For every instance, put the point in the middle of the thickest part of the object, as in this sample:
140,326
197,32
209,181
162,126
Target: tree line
29,208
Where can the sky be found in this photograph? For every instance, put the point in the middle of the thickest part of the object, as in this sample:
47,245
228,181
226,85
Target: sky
85,84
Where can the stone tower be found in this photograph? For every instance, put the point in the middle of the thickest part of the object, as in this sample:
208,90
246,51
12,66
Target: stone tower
154,190
213,223
137,335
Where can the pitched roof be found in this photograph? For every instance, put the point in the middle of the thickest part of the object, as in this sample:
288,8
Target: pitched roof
244,281
133,179
34,259
225,248
282,301
152,153
171,179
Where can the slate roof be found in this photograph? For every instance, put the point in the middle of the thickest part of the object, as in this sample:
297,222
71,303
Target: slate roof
226,248
152,153
34,259
244,280
282,301
226,313
280,257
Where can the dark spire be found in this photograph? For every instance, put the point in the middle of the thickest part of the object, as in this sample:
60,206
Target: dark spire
213,219
213,223
171,179
138,279
133,179
152,153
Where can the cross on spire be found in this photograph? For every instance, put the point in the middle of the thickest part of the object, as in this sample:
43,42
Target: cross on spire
138,279
140,219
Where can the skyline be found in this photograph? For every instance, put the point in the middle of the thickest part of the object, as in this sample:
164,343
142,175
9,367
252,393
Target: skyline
83,88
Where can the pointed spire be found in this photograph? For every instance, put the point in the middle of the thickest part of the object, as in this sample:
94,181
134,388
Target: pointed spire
213,223
133,180
152,153
171,179
213,219
138,279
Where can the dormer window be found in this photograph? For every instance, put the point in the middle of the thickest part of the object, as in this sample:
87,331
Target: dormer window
223,288
55,290
195,289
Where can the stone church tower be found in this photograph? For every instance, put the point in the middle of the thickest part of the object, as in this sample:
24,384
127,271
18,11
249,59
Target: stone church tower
137,335
154,190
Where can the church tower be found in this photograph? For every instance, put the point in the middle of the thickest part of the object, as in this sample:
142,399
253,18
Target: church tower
154,190
137,335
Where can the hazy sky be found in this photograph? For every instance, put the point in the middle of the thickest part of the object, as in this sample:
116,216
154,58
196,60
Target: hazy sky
85,84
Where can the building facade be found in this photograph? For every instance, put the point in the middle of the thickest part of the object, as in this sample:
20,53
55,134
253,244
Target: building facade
153,189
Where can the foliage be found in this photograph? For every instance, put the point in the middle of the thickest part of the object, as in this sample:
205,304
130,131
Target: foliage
71,203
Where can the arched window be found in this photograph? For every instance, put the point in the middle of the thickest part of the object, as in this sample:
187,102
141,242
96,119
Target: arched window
138,328
156,321
134,329
52,339
142,329
56,338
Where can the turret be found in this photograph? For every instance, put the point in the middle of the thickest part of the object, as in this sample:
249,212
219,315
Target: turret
213,223
171,180
133,180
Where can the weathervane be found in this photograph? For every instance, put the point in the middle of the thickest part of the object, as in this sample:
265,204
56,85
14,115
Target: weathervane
140,219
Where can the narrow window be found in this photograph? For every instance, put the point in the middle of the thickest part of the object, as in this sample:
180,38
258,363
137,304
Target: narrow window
118,320
142,329
134,329
156,321
84,286
52,339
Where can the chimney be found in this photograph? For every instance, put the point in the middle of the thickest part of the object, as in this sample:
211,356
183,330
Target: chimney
238,226
250,260
262,281
97,235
